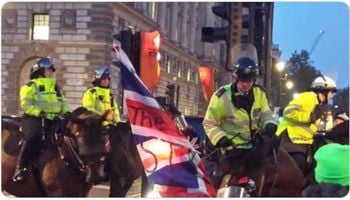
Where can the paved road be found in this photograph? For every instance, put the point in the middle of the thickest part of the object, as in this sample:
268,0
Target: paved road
102,190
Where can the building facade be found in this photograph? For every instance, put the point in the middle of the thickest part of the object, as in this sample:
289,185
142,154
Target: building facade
78,36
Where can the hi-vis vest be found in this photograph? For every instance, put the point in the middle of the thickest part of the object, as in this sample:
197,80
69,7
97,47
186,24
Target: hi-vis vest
224,119
99,100
43,94
297,117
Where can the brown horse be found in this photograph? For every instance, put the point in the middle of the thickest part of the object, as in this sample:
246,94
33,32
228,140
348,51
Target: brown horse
275,172
124,161
272,169
63,168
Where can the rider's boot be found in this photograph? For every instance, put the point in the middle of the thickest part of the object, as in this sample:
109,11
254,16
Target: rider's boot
22,159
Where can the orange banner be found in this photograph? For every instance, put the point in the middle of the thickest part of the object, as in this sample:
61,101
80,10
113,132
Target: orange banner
149,59
206,76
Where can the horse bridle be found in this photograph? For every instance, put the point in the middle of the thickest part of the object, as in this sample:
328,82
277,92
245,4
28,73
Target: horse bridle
74,159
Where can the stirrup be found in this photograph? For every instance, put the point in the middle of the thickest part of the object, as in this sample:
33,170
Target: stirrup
19,175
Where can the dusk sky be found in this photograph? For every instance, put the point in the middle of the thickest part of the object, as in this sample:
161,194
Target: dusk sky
296,26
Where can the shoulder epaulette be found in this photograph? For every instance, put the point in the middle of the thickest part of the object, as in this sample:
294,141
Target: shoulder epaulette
30,83
93,90
220,92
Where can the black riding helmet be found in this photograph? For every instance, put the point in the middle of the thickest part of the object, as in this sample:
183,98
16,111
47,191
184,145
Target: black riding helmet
246,69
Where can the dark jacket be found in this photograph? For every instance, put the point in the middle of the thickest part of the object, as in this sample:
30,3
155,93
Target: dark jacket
325,190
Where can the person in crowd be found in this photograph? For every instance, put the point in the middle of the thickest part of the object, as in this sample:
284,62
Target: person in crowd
331,172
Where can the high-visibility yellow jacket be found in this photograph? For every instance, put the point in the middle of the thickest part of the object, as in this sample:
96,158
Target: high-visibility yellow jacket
43,94
223,118
100,100
297,119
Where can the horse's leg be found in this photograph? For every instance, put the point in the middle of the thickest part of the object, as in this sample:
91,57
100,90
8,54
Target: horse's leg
29,187
145,186
61,180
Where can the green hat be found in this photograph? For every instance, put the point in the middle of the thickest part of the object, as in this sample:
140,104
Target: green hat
332,164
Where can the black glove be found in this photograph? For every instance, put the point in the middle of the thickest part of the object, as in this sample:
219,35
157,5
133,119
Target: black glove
189,131
224,142
270,129
318,111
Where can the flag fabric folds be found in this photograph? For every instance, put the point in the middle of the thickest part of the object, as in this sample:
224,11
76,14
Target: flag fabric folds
170,161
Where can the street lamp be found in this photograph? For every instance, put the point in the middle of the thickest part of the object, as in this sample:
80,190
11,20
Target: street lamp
289,84
280,66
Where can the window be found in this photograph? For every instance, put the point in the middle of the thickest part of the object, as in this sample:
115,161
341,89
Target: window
40,27
188,74
168,64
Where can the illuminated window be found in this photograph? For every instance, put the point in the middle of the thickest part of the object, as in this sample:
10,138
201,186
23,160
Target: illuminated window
188,74
168,66
40,27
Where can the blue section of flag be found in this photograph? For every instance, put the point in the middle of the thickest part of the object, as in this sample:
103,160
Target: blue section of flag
140,139
130,82
181,175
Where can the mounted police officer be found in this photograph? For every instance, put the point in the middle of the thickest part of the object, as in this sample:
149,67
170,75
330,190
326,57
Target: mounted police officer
237,112
302,118
99,99
41,99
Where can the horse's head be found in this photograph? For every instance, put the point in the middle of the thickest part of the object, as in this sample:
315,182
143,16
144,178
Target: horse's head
92,141
340,133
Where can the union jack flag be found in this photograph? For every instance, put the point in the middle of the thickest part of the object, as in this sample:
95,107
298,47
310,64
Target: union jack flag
171,163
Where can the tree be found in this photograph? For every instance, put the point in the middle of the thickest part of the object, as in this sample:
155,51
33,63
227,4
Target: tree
341,99
301,71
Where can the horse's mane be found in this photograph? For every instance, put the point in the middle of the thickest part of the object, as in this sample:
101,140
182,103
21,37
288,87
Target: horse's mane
88,121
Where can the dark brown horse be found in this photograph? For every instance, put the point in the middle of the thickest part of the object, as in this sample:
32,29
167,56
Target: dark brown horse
338,134
65,167
125,163
274,172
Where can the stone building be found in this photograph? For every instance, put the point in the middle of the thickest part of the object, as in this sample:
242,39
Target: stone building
78,36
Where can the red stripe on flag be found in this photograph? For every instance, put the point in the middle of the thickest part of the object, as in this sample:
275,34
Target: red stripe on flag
150,117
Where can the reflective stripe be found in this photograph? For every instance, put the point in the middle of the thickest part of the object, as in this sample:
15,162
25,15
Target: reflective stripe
209,122
228,106
240,123
214,131
37,92
291,108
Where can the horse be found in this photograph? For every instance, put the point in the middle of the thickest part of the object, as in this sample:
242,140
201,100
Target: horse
125,164
338,134
67,164
272,170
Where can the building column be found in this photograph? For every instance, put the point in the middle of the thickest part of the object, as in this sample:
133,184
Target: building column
193,26
162,16
173,32
183,35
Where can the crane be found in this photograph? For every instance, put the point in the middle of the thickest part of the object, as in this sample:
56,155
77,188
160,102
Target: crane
320,33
